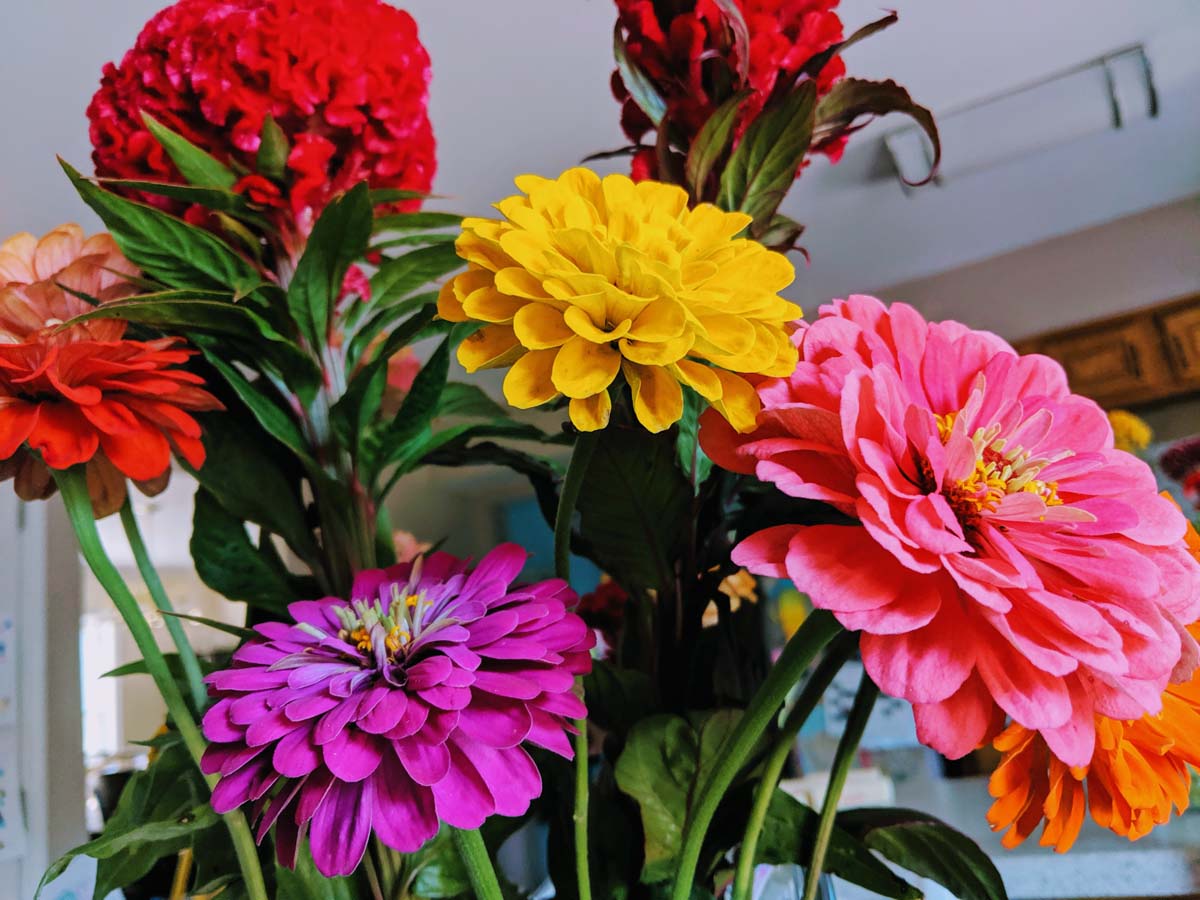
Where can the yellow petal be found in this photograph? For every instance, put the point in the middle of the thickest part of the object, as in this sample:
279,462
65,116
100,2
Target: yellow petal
473,246
449,307
739,402
491,347
700,378
711,224
539,326
657,397
520,283
656,354
662,320
588,254
583,368
581,323
591,413
528,383
731,335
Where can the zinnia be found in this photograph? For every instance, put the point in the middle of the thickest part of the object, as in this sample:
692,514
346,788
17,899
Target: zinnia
405,705
83,394
587,278
688,52
1005,559
346,81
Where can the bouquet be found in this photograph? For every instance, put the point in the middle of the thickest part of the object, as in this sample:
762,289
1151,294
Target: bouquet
958,518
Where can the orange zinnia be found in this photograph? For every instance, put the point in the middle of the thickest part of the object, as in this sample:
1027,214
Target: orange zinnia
1140,771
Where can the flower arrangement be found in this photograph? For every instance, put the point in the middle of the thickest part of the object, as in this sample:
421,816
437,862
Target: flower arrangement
393,714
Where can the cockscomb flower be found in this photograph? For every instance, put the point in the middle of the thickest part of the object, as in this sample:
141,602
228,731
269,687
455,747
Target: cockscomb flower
1004,560
689,54
405,705
585,279
346,81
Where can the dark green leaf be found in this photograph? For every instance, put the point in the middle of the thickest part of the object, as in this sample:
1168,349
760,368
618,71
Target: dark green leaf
693,461
854,97
741,35
210,312
217,199
617,698
420,239
306,883
402,275
216,624
356,409
168,249
780,233
272,150
928,847
197,166
633,502
380,196
388,442
813,67
712,142
637,82
415,221
338,240
138,667
763,166
229,563
787,838
460,399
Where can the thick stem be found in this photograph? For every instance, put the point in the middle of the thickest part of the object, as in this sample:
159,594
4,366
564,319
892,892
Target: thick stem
817,631
72,483
585,447
856,723
835,657
187,656
479,865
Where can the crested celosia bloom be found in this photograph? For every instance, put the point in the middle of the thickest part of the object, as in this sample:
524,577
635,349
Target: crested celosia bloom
346,81
1003,558
405,705
82,394
585,279
688,52
1140,770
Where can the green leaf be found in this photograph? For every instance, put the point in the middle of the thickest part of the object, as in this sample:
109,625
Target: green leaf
194,164
927,847
637,82
460,399
693,461
380,196
741,35
664,760
416,221
272,150
217,199
813,67
216,624
208,311
712,142
763,166
852,98
617,699
787,838
229,563
421,239
388,442
338,240
165,248
633,502
780,233
306,883
402,275
138,667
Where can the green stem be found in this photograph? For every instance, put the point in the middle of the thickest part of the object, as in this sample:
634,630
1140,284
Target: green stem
581,457
856,723
72,483
835,657
817,631
479,865
187,655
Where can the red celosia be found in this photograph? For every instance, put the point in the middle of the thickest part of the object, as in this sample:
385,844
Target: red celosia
691,59
346,80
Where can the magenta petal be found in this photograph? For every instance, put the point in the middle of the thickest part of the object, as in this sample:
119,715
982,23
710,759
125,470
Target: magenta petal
404,814
340,828
386,714
353,754
510,775
425,762
296,755
500,724
462,798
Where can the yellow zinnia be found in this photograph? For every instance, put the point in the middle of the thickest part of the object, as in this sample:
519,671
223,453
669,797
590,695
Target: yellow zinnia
585,278
1130,433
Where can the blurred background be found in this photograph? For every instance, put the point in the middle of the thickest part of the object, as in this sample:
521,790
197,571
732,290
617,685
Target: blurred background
1066,219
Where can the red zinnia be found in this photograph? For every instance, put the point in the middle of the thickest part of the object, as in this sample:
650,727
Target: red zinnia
691,59
346,80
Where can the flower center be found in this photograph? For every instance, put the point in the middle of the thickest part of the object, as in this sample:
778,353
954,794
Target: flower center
1000,470
368,625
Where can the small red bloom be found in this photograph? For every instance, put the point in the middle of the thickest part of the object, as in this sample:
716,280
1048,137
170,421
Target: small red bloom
346,80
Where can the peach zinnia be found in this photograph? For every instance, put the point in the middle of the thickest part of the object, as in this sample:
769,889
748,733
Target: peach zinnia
999,556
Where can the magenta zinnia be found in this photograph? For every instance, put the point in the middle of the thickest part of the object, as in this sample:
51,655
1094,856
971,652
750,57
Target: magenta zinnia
399,708
1004,558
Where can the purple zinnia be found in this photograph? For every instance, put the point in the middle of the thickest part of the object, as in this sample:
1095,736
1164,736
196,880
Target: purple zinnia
403,706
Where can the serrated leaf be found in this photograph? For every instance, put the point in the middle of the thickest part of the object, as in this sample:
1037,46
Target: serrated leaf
273,150
338,240
763,166
637,82
928,847
229,563
712,142
193,163
852,98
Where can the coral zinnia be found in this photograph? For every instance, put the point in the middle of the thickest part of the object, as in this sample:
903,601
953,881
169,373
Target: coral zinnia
1005,556
587,278
406,705
689,55
346,80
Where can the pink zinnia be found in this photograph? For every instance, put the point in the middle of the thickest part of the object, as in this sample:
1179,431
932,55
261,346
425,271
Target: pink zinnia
1005,559
406,705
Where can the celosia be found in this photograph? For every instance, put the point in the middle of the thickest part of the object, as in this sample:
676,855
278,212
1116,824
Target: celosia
1005,559
688,52
585,279
346,81
405,705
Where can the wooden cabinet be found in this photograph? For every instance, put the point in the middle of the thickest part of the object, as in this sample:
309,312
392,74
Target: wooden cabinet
1152,354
